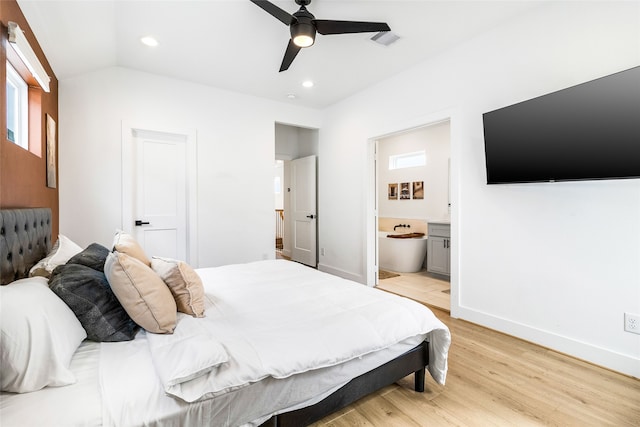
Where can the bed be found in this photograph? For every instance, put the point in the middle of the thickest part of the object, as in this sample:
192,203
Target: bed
270,350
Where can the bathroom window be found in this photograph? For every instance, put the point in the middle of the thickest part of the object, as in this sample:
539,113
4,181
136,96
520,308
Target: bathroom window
17,108
407,160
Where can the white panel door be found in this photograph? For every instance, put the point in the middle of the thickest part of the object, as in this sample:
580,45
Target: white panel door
160,197
303,207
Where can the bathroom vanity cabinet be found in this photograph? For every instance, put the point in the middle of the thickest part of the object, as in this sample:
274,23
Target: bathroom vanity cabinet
439,248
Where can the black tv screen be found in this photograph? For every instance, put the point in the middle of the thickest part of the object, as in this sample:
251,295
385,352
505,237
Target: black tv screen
585,132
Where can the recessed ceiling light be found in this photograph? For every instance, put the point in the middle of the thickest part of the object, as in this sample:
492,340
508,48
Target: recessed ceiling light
307,83
149,41
291,95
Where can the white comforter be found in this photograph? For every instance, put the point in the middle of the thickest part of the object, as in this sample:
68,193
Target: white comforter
277,319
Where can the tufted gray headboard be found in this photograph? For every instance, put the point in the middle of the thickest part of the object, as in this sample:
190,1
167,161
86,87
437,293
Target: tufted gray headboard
25,238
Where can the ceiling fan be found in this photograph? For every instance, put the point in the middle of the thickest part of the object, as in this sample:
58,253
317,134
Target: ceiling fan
303,26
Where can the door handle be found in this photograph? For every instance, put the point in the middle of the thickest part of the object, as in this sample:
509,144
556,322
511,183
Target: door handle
140,222
310,216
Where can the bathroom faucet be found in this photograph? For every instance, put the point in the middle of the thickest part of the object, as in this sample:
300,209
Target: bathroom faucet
401,225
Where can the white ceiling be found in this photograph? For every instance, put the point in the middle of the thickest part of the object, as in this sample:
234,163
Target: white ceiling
235,45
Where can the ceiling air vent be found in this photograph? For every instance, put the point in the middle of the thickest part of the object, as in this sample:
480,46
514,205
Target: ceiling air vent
385,38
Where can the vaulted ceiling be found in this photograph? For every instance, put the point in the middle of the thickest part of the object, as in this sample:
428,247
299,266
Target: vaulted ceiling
235,45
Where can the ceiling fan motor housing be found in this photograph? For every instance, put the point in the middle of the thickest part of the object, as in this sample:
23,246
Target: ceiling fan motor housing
304,28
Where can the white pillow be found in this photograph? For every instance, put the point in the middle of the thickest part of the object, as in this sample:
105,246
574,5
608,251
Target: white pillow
38,336
190,352
61,252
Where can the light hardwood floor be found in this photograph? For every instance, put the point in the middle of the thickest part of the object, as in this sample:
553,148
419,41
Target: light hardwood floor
498,380
422,287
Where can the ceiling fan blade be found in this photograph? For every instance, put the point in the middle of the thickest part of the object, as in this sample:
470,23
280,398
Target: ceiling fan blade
289,55
325,26
285,17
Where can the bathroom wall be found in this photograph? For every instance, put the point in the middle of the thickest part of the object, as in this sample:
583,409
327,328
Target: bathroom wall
435,141
414,225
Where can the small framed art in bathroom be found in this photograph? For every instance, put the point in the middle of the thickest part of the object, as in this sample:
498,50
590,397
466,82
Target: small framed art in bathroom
393,192
405,194
418,190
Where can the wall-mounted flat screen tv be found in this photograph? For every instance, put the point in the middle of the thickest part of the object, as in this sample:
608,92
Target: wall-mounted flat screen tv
585,132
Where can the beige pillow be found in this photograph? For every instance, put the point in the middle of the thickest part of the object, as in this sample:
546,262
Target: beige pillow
142,293
125,243
184,283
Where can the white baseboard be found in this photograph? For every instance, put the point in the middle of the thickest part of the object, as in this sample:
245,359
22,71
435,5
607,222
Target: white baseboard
606,358
342,273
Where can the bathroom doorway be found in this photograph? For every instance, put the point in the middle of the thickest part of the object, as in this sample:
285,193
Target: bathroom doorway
413,196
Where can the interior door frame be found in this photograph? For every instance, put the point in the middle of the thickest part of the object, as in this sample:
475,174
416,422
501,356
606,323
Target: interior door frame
371,203
128,165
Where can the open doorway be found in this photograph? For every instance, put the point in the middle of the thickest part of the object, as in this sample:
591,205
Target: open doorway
278,191
412,180
294,146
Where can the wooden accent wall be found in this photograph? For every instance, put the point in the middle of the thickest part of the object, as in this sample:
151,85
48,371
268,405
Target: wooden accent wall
23,174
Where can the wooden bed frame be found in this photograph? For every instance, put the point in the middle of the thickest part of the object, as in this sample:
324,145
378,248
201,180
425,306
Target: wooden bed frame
25,238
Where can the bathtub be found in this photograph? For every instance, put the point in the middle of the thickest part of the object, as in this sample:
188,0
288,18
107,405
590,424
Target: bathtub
401,255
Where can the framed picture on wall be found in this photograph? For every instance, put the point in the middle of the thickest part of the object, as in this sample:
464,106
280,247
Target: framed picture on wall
51,152
393,192
418,190
405,193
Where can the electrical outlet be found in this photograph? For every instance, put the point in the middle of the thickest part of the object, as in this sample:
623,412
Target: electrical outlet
632,323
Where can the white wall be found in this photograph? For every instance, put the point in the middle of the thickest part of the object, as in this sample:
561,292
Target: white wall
557,264
235,152
434,140
295,142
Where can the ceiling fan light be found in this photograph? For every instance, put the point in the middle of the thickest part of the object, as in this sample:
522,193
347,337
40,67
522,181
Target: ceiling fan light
303,34
303,41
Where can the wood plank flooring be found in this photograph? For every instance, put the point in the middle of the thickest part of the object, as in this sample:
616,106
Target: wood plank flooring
498,380
422,287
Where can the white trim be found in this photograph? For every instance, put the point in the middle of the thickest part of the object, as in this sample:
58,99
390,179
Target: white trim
371,208
341,273
371,220
607,358
192,182
20,108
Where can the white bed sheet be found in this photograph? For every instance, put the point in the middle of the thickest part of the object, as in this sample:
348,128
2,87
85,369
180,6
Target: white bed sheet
133,395
280,318
81,404
136,396
78,404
